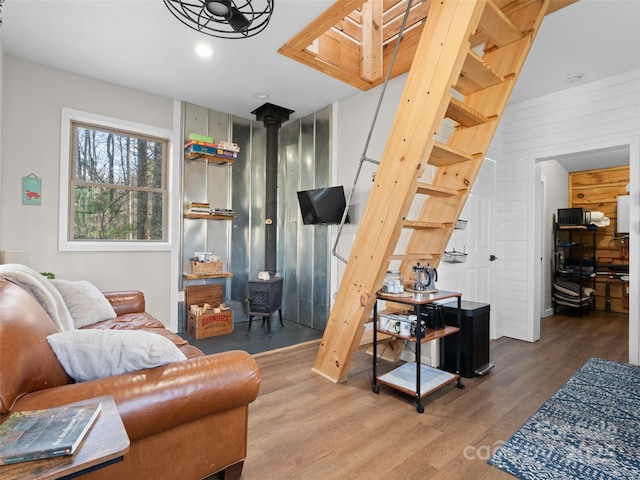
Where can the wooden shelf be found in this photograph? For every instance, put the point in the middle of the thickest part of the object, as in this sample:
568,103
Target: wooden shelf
208,158
191,276
204,216
403,378
430,334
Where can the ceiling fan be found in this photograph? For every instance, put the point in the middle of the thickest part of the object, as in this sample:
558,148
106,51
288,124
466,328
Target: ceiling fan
223,18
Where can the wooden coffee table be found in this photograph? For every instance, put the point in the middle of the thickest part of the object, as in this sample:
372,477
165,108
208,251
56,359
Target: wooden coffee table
106,443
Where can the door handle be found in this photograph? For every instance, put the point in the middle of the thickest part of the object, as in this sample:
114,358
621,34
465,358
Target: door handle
492,258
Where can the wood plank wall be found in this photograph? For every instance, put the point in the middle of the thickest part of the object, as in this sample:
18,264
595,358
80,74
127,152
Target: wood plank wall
596,191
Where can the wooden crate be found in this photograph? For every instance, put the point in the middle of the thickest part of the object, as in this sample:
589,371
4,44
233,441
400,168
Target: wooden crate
201,294
210,324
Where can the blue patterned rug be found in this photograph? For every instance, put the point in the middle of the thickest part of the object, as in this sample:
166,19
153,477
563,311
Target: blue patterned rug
589,429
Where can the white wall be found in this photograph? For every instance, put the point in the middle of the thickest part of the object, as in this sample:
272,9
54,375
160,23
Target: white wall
32,98
597,115
556,196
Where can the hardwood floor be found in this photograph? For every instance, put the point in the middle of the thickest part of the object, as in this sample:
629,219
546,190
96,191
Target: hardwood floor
305,427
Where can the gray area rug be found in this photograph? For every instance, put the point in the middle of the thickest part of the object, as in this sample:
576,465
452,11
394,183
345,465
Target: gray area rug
588,429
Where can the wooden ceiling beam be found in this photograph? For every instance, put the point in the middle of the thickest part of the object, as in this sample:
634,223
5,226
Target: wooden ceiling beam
371,63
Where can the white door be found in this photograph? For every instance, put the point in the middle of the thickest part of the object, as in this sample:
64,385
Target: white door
476,277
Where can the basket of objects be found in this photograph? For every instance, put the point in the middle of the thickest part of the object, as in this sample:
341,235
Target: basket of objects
206,268
455,257
461,224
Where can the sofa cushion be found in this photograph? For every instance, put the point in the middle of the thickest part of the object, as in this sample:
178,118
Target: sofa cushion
85,302
27,363
147,323
90,354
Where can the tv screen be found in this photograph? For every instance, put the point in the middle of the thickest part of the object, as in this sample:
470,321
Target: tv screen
322,205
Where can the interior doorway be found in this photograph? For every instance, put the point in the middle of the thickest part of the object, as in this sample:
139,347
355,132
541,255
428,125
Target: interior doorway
552,192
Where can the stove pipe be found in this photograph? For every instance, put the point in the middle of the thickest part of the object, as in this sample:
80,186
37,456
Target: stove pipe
273,117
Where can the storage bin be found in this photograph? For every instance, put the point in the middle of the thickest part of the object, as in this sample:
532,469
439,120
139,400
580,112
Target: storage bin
206,268
474,328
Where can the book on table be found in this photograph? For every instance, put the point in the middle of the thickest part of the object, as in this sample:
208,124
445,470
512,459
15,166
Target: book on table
38,434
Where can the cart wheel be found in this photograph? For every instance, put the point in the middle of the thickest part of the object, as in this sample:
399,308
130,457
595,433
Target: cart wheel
420,408
461,385
376,389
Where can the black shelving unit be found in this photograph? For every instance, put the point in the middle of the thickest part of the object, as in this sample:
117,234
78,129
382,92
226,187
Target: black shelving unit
575,267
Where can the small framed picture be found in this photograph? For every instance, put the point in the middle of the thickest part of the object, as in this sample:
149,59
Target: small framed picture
31,190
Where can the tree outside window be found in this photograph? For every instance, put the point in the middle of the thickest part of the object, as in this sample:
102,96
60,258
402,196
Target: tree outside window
118,185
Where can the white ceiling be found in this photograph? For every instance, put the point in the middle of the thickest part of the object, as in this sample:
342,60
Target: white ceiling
139,44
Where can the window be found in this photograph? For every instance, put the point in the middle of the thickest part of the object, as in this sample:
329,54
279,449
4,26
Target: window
116,185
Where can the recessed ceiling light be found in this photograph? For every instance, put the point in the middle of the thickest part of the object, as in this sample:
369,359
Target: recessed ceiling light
573,78
261,95
204,51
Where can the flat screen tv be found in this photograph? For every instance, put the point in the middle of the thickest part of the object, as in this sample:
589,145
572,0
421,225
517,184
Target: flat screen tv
322,205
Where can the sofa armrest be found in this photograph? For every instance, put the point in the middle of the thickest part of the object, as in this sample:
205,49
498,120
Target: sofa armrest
158,399
126,301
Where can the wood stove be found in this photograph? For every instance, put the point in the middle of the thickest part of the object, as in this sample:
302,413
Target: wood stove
265,298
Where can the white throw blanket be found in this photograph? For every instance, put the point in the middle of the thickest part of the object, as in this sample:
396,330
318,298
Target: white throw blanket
43,290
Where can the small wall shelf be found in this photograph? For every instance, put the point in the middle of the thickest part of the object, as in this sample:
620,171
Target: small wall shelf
191,276
208,158
204,216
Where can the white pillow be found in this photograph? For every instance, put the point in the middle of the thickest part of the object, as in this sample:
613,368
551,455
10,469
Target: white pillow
85,302
90,354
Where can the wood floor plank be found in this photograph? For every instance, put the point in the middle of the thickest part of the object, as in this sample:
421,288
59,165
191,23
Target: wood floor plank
303,426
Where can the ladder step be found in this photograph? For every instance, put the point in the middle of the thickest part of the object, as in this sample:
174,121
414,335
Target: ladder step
442,155
497,26
412,256
476,75
418,225
436,190
464,115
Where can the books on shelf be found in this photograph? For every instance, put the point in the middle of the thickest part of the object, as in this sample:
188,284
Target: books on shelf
232,147
38,434
195,137
205,209
197,207
223,211
228,150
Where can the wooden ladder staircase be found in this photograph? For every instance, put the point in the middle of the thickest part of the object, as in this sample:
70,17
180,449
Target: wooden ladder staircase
449,80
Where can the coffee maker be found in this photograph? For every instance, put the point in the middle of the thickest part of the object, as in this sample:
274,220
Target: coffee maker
425,278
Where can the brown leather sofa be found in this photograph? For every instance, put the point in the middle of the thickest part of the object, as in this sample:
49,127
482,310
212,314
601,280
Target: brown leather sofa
185,420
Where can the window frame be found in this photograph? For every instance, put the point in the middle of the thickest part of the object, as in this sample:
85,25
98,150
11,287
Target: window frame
70,117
